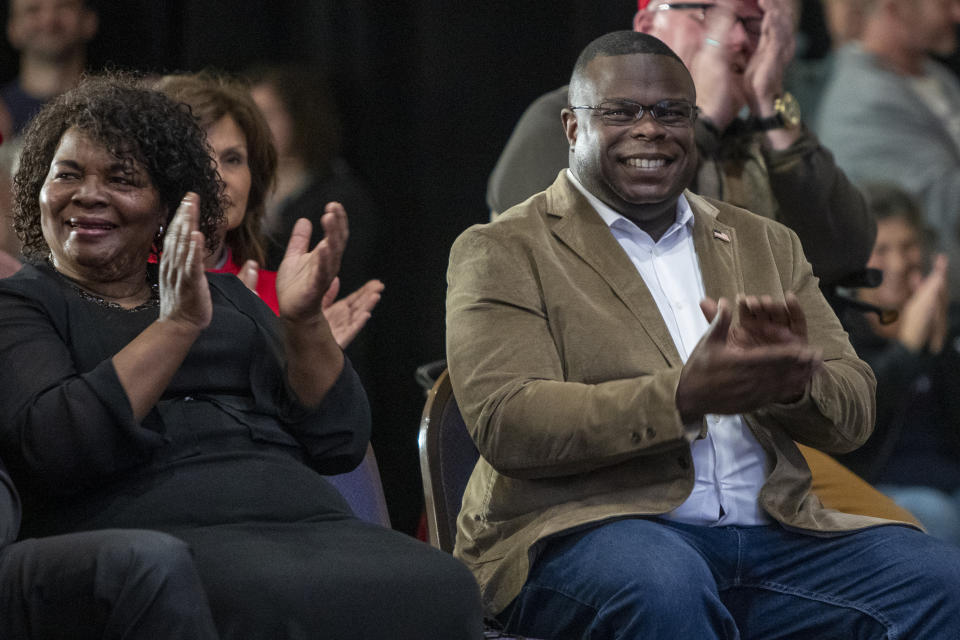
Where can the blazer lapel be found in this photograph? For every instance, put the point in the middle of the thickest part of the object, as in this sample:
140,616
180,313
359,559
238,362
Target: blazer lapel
717,251
583,230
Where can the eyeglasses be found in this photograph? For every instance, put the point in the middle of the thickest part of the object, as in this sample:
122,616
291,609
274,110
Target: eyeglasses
751,24
669,113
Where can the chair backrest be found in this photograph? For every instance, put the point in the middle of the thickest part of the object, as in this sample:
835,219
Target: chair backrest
363,490
447,458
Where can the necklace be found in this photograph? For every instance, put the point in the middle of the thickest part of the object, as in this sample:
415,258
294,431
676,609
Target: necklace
152,301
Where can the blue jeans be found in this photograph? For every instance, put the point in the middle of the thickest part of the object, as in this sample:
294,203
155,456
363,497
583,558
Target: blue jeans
649,578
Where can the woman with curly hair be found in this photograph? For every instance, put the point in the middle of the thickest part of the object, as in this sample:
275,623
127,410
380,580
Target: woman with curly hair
159,397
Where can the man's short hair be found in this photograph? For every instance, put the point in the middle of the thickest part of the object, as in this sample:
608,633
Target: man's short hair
619,43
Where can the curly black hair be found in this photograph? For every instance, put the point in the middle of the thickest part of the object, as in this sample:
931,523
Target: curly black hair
133,123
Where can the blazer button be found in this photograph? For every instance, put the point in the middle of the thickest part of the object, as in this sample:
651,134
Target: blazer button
683,463
635,437
651,433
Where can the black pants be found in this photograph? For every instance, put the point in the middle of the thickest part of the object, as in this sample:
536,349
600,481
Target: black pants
106,584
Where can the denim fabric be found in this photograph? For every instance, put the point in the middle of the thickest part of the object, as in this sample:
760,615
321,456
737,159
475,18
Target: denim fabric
640,578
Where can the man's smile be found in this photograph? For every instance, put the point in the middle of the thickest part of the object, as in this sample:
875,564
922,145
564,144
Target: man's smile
647,163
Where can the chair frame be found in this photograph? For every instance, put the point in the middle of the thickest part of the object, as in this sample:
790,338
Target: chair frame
428,440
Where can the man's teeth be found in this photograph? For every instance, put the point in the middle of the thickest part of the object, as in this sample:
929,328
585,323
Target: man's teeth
646,163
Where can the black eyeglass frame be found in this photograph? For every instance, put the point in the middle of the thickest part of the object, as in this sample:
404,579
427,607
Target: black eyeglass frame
642,109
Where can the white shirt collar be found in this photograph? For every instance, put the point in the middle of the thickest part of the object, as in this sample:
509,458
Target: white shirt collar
611,217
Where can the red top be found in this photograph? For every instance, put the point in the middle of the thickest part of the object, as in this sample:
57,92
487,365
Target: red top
266,282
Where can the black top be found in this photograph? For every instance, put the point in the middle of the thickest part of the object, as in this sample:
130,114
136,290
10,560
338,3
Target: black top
362,256
9,509
916,441
21,105
227,443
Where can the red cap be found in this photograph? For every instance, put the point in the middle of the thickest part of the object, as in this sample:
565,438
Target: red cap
642,4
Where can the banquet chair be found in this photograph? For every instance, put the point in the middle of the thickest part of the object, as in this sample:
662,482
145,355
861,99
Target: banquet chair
363,490
447,458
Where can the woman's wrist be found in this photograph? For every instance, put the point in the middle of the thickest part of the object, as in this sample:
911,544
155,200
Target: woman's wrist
314,359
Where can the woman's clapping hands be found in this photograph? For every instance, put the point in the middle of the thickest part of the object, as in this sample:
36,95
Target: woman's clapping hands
184,292
305,275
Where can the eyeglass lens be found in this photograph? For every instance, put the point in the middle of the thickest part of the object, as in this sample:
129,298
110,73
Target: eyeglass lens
667,112
751,24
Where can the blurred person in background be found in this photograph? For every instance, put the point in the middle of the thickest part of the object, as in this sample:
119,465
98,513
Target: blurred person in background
807,77
301,113
914,452
303,120
51,37
891,113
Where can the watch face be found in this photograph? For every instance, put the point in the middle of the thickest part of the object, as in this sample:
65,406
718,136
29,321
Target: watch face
789,110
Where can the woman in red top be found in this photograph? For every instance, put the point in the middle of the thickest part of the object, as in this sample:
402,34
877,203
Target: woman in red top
240,145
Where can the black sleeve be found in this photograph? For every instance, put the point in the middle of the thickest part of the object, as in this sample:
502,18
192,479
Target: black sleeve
63,427
336,434
895,368
9,509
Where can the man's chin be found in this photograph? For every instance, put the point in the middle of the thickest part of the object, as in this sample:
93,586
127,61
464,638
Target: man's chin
651,197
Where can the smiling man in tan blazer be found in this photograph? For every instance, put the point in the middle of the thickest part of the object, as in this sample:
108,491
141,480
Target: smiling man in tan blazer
638,474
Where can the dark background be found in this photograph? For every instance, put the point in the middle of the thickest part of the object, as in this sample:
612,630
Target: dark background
429,92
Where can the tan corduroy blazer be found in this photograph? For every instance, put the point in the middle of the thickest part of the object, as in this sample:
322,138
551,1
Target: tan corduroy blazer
566,377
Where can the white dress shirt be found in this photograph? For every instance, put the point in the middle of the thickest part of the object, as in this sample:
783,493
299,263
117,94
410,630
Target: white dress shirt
730,464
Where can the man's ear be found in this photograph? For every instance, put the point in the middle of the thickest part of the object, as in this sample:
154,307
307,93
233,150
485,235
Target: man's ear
642,21
569,119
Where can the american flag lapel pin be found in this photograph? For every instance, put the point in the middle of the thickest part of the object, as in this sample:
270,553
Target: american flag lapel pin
720,235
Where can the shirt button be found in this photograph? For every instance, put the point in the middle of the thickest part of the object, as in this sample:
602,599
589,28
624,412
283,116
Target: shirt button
188,398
